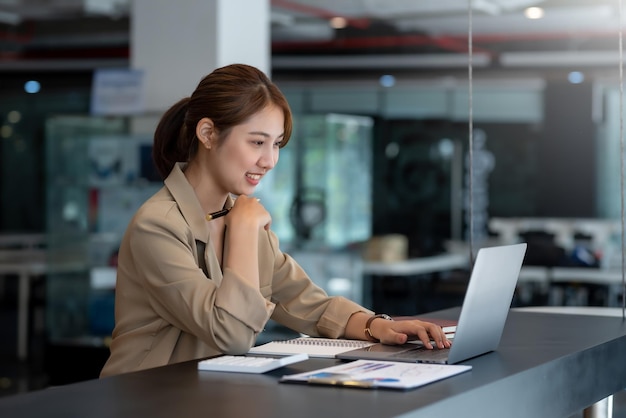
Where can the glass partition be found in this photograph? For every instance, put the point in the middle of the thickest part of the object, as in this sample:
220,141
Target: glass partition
96,177
320,193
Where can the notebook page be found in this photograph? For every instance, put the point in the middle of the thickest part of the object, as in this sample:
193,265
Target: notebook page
314,347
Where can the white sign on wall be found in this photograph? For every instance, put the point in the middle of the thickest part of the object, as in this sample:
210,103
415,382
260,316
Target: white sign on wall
117,92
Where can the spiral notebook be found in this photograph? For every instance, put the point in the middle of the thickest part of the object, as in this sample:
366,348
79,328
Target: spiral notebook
314,347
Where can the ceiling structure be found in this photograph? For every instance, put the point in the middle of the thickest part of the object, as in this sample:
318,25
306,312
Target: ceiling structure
392,34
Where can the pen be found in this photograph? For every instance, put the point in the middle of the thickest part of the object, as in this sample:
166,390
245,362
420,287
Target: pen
218,214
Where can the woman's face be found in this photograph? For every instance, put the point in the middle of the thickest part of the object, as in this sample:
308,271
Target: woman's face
248,152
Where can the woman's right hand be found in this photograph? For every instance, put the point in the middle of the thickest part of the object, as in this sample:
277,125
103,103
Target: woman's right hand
249,209
245,219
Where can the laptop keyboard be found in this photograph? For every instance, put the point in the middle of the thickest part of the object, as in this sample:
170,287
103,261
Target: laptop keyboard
421,353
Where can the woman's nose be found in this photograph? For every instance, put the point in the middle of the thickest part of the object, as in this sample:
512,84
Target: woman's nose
268,159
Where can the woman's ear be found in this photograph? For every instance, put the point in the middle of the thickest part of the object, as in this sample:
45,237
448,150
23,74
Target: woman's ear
204,131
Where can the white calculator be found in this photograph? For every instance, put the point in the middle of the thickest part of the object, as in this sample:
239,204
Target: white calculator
248,364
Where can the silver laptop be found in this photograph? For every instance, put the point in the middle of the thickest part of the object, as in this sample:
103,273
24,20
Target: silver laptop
483,314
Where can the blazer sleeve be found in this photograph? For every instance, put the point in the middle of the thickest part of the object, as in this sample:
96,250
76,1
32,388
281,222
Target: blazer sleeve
300,303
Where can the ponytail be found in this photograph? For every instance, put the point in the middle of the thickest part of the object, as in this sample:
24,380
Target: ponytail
172,141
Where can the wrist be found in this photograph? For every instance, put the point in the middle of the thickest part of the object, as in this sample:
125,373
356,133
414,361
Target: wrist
368,330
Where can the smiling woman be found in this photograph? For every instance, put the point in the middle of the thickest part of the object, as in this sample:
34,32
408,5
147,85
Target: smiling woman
191,286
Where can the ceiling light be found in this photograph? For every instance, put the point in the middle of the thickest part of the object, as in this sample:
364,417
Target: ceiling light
338,22
576,77
397,61
534,13
32,86
387,80
107,7
559,59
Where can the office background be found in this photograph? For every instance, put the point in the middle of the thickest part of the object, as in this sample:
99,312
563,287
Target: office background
389,91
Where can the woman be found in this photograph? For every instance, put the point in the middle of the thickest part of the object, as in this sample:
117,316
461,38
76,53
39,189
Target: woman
190,285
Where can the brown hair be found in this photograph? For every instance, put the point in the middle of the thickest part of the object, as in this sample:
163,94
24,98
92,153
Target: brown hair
228,96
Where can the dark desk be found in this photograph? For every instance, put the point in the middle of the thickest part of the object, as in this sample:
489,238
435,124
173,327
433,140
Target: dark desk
548,365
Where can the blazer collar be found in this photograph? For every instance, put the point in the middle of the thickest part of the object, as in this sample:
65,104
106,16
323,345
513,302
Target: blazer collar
187,202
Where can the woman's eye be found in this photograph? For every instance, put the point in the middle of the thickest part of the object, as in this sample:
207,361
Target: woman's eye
278,144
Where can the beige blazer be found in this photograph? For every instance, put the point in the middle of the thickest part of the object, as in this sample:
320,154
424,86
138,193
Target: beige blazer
167,310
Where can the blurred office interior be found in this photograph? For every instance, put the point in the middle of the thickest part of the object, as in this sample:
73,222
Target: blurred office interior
372,194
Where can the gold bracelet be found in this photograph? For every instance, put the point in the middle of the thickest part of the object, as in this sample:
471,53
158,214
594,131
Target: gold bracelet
368,331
